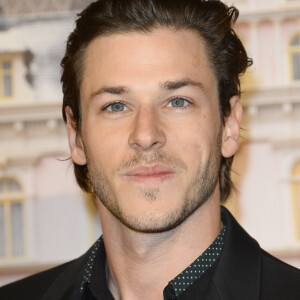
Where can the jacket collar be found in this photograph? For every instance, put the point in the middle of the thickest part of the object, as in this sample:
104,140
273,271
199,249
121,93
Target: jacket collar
237,275
68,280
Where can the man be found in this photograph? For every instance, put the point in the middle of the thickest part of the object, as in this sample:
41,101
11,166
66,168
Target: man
153,112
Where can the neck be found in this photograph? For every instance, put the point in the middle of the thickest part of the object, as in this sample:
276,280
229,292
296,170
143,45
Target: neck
142,264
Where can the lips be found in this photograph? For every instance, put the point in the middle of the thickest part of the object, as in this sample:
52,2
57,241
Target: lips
148,173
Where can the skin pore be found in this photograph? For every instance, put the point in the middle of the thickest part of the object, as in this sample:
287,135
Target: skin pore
152,139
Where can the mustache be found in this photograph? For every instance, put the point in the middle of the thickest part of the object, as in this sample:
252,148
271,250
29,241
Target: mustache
152,158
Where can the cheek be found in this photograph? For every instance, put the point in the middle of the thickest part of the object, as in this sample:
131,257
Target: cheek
187,141
196,131
105,146
196,139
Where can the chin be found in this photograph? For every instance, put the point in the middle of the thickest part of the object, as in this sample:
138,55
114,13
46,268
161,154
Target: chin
150,226
156,221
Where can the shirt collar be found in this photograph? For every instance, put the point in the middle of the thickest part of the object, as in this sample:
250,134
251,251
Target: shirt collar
179,284
87,274
198,267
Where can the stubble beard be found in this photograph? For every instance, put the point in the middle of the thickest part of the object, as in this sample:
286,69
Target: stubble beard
202,188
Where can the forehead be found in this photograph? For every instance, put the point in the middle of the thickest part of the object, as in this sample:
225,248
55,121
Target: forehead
141,59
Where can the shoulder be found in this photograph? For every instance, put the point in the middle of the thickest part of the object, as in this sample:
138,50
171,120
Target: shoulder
278,278
256,273
37,286
33,286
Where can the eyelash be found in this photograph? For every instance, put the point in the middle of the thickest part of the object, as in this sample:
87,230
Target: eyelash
169,101
180,98
112,103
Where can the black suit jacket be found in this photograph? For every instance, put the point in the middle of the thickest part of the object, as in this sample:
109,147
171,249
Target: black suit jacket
244,272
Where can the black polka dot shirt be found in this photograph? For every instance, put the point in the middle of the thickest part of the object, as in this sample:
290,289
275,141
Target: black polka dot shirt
197,268
182,281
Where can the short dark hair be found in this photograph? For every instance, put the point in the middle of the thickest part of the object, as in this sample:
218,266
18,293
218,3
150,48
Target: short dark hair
212,20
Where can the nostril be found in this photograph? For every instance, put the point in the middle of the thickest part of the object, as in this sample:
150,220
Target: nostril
146,147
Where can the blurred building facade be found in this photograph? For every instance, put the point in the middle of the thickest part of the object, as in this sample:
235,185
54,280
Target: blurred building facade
44,217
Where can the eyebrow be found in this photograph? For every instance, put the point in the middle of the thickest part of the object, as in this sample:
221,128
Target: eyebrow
114,90
167,85
174,85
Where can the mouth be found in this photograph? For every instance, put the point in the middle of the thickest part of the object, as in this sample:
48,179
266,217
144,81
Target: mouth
150,174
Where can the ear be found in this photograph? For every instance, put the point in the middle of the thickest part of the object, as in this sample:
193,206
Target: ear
231,130
75,140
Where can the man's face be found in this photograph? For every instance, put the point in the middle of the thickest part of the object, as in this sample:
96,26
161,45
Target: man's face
151,129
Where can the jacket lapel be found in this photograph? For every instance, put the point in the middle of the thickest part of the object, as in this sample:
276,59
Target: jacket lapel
237,275
68,279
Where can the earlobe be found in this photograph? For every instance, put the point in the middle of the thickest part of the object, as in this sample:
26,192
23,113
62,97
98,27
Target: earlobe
75,141
231,130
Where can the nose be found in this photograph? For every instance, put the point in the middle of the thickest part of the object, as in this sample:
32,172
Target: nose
147,132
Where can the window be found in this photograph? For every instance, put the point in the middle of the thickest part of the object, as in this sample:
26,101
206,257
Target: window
11,219
295,185
295,57
6,79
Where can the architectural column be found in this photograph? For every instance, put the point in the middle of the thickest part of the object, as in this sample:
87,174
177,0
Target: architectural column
280,50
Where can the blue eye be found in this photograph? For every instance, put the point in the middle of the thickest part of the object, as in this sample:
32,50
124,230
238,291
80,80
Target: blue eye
116,107
178,102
